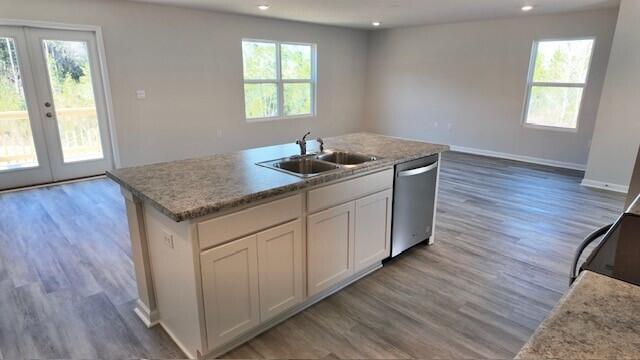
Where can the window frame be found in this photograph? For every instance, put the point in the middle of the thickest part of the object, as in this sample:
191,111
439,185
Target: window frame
279,81
530,84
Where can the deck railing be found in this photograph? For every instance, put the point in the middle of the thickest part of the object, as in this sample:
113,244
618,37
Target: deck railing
79,136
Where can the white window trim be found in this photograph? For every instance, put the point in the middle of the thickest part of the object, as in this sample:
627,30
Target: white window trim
279,82
531,84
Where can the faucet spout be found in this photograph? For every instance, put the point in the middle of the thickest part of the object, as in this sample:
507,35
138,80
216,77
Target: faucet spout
303,144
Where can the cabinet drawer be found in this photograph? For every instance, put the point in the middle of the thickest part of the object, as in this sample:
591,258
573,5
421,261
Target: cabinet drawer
340,193
219,230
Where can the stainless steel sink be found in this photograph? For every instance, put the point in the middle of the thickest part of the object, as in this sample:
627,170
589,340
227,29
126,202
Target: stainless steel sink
317,164
345,158
305,166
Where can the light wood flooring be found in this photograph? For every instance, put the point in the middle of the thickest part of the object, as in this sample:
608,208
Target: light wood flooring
505,236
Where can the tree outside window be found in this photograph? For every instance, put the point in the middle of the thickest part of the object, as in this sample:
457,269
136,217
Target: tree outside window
279,79
557,78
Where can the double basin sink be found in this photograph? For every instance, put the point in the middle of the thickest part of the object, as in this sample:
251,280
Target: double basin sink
316,164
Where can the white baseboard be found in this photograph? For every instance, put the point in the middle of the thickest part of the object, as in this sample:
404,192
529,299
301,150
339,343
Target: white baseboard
178,343
606,186
529,159
149,318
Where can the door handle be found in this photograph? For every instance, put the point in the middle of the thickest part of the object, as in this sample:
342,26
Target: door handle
417,171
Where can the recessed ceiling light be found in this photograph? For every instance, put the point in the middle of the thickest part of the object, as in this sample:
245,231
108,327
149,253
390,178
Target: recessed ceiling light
376,23
527,8
263,7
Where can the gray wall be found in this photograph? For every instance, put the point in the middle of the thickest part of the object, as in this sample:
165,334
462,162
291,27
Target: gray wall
190,64
464,84
617,134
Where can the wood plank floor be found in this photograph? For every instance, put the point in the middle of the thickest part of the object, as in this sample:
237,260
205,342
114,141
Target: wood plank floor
505,237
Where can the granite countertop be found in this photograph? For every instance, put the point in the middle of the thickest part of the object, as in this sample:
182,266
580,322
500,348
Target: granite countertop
187,189
598,318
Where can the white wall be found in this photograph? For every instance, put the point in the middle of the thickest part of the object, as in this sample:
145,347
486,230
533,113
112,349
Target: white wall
617,134
464,84
190,64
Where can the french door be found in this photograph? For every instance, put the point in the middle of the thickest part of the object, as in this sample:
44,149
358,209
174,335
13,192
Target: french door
53,122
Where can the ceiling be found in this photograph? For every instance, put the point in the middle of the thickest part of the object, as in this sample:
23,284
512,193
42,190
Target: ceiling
392,13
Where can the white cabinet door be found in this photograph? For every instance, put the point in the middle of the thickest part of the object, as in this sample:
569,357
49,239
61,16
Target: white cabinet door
330,238
230,289
280,269
373,229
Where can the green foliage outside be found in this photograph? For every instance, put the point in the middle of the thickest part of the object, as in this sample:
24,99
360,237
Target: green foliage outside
11,96
259,60
296,62
559,62
69,74
68,67
69,77
562,61
297,99
260,63
261,100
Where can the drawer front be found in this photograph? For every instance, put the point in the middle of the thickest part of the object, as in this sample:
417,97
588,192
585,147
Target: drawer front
225,228
340,193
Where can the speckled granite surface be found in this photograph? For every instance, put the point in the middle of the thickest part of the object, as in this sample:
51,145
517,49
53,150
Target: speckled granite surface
187,189
598,318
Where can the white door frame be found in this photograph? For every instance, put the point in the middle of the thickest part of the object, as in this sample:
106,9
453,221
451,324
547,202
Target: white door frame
102,63
41,173
61,168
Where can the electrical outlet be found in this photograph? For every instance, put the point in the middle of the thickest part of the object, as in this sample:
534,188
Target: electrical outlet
219,133
435,124
168,239
141,94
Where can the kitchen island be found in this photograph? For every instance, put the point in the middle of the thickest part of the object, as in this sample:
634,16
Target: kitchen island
224,248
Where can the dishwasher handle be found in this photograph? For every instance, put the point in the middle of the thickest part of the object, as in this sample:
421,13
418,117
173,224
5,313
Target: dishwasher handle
417,171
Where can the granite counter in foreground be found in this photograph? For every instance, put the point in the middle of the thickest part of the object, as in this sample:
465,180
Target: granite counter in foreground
187,189
598,318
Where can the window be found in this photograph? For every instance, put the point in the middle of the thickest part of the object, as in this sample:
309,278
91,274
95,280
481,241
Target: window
279,79
557,78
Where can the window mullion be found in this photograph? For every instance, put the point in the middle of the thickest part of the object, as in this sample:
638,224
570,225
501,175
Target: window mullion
557,84
260,81
279,80
297,81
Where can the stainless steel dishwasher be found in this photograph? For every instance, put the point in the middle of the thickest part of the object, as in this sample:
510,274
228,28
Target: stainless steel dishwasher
414,194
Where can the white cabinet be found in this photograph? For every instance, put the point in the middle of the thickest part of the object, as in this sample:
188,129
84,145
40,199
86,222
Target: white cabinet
247,282
230,289
251,280
330,241
372,229
280,269
347,238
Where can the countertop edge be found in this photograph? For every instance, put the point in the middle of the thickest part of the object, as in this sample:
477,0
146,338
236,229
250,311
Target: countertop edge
272,192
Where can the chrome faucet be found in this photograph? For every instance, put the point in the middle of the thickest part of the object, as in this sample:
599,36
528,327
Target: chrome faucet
321,142
303,144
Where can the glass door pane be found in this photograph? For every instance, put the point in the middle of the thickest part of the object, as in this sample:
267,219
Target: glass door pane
17,147
72,90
